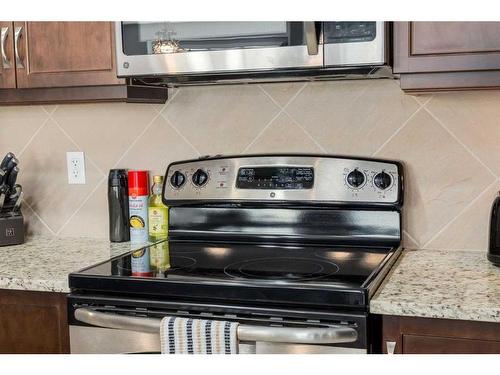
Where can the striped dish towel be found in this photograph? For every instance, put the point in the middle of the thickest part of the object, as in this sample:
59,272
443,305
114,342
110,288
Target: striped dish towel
198,336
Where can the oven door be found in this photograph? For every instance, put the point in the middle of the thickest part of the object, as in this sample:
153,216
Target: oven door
180,48
354,43
107,333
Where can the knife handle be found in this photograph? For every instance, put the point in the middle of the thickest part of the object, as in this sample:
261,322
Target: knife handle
12,177
6,160
14,194
12,163
4,190
15,191
19,200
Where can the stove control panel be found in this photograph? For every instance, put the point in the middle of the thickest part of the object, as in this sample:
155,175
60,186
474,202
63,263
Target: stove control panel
280,178
325,179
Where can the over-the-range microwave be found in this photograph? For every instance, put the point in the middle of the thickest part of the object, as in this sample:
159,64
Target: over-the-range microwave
193,52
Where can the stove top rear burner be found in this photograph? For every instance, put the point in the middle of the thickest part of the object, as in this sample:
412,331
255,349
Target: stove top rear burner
281,268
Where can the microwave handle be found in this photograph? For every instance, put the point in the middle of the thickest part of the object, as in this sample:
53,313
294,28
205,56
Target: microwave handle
311,38
330,335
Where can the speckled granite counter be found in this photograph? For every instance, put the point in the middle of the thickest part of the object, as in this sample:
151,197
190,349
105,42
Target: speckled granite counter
441,284
43,263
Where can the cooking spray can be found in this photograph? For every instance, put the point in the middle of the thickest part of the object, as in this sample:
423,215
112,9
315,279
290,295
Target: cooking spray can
140,263
138,182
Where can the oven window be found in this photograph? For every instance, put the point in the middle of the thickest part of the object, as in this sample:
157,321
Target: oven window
349,32
146,38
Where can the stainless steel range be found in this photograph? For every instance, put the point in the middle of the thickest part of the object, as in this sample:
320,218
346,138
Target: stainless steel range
291,246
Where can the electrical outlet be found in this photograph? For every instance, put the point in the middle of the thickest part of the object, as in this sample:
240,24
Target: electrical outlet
76,167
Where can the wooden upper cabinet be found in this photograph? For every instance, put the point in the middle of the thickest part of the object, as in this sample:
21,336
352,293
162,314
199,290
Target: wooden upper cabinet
65,54
434,56
454,37
62,62
7,65
446,46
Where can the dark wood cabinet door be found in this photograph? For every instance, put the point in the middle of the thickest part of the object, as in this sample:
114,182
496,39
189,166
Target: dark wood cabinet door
415,344
413,335
64,54
33,322
446,46
7,64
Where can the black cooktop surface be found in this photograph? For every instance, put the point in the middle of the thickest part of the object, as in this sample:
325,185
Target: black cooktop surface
262,273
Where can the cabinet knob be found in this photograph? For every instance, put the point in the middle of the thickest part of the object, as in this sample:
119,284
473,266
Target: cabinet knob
390,346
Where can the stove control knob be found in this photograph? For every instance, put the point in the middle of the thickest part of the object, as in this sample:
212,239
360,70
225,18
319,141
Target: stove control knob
177,179
355,178
200,177
382,180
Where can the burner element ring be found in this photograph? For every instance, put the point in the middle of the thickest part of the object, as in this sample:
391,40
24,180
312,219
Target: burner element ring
281,268
179,262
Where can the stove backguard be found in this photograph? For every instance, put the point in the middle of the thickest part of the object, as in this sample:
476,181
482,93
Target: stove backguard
286,225
286,198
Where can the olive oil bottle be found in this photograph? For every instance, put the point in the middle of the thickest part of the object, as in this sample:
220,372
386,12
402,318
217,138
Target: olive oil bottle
157,212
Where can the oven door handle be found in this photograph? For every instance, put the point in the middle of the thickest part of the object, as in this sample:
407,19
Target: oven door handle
292,335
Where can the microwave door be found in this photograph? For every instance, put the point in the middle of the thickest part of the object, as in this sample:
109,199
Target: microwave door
354,43
177,48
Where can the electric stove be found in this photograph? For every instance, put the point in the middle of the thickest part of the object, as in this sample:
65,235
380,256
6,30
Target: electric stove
281,237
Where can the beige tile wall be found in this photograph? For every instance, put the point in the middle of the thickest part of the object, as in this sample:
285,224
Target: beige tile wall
450,144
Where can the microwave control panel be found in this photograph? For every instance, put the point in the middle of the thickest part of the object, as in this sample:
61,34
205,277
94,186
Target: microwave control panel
349,32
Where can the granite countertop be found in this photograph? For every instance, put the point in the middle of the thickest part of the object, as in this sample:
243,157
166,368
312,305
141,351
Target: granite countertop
43,263
423,283
441,284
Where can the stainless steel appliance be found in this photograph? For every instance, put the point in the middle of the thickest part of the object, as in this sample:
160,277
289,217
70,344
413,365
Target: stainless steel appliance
494,241
291,246
194,52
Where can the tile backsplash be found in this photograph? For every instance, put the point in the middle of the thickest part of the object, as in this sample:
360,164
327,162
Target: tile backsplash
449,143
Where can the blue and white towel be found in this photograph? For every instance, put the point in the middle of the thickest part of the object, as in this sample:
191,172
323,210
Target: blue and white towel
198,336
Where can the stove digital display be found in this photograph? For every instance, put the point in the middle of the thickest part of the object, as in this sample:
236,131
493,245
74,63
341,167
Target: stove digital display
281,178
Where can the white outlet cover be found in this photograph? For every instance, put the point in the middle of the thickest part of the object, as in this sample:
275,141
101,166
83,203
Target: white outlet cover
75,161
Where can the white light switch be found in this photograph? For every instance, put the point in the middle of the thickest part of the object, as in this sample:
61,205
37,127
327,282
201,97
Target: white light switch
76,167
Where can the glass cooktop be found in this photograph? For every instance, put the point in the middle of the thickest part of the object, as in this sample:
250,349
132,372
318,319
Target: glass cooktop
245,262
256,272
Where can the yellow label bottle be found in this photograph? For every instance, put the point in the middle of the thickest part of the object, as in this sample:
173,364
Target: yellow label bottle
157,212
159,258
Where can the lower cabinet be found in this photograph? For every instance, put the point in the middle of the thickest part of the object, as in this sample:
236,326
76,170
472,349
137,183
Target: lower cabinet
33,322
411,335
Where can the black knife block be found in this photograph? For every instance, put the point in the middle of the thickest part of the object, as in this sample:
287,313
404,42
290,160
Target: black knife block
11,228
